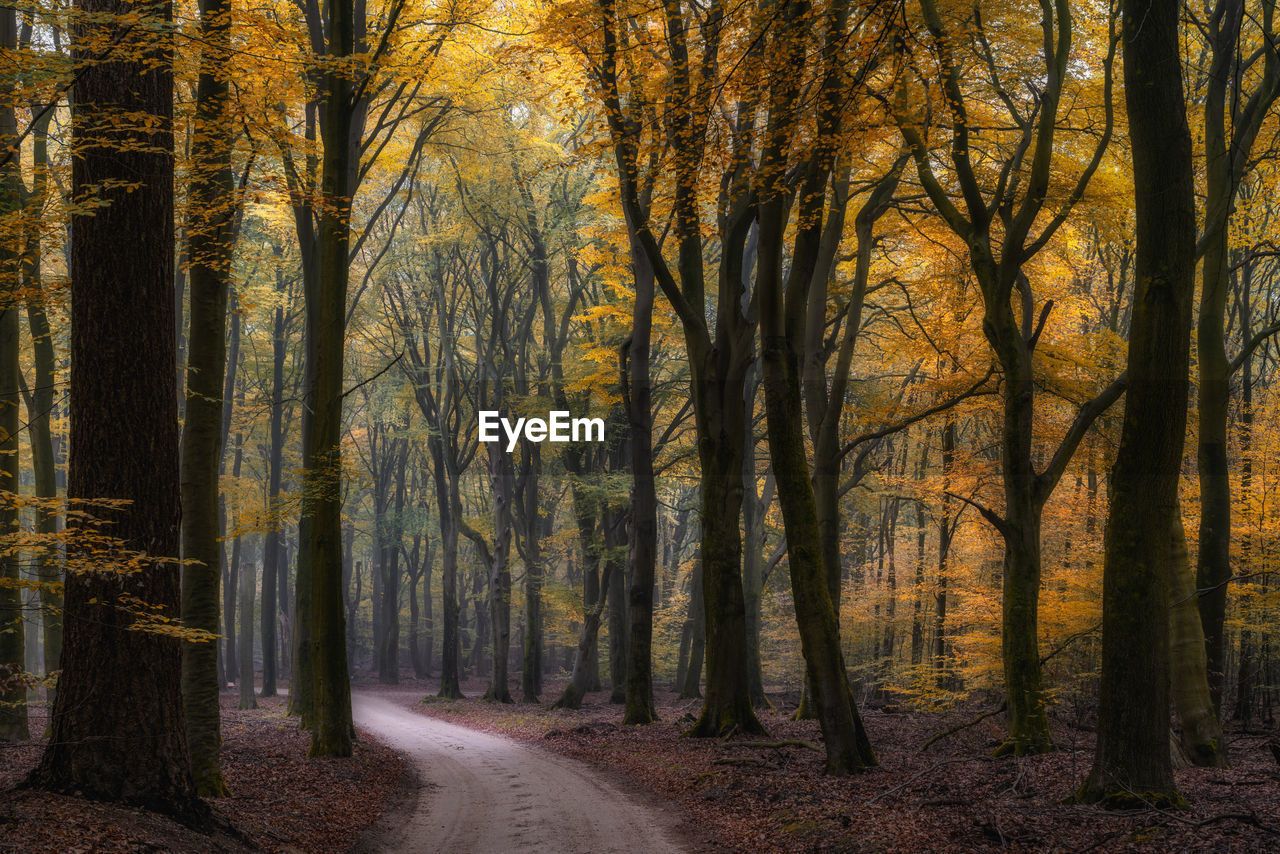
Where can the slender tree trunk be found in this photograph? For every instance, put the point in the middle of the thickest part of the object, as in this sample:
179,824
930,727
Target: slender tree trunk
273,571
1132,762
211,243
616,549
40,406
946,527
753,511
579,680
532,645
13,702
326,320
691,686
446,504
1230,130
428,612
245,570
500,574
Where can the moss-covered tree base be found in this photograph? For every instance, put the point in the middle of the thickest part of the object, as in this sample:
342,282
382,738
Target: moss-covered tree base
738,718
639,716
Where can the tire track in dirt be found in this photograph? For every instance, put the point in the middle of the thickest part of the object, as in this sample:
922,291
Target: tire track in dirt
486,794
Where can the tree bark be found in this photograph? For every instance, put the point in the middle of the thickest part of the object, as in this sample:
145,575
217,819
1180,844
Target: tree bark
272,569
117,730
326,307
1132,764
13,702
211,244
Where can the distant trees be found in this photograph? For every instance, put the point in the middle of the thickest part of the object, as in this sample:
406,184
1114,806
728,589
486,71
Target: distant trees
892,246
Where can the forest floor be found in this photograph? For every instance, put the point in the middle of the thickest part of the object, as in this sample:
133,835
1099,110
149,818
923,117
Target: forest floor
280,800
952,797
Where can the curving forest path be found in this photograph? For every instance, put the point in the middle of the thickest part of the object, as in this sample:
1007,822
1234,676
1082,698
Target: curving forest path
486,794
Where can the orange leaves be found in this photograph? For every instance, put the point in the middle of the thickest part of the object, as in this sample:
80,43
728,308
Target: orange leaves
84,547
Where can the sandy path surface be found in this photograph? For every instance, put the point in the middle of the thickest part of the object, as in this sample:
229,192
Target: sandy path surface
492,795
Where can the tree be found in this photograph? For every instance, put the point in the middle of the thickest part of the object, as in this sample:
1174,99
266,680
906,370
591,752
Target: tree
1003,229
782,304
1131,764
718,342
117,724
1232,121
326,307
211,230
13,701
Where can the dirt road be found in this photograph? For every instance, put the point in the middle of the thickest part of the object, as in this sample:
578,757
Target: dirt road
492,795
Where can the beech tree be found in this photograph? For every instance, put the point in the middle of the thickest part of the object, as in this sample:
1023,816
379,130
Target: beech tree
116,730
1131,764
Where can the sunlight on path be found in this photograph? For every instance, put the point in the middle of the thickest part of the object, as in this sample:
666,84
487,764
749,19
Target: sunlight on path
492,795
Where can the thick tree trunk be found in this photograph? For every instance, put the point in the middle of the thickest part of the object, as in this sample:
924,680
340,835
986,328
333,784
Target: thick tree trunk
118,731
727,702
1132,763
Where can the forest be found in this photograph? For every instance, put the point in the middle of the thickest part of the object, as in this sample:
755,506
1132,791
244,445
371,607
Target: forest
599,425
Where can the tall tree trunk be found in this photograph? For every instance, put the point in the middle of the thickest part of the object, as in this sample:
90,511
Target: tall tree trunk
727,702
388,651
753,512
1028,720
428,612
946,528
273,571
118,730
1227,150
13,701
1132,764
211,243
332,729
579,679
500,574
244,569
532,646
40,406
447,505
616,550
691,685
